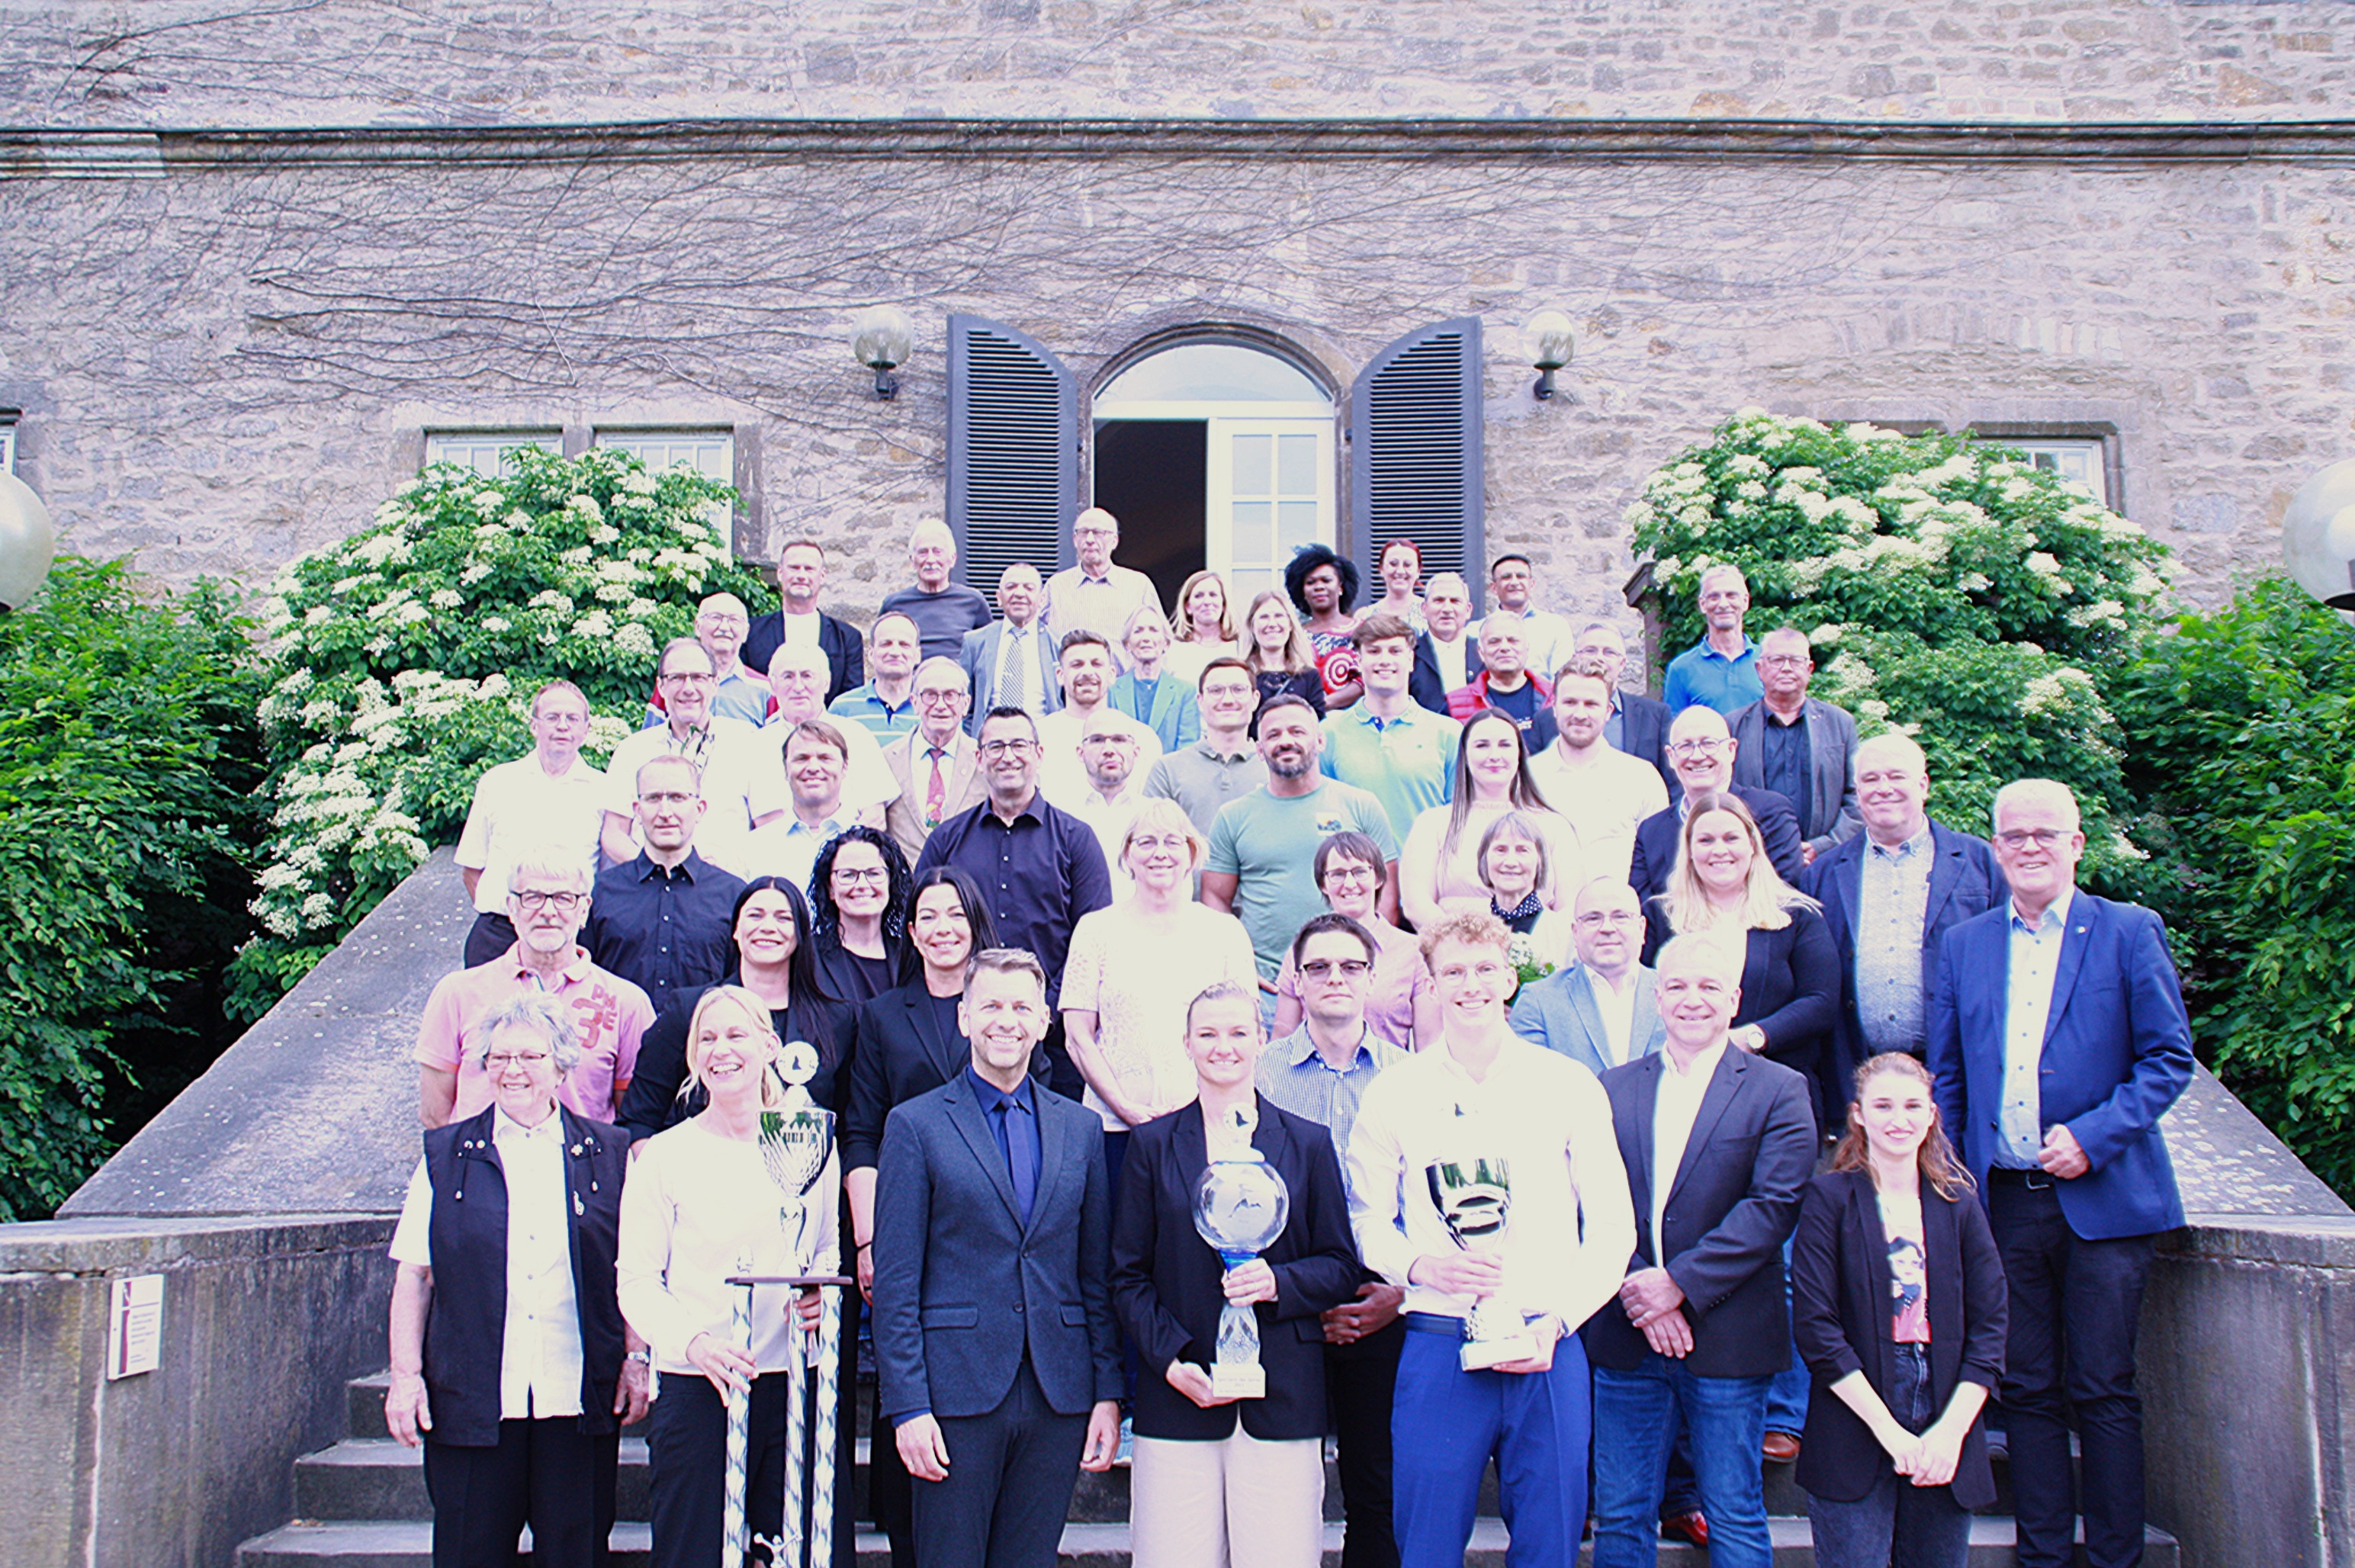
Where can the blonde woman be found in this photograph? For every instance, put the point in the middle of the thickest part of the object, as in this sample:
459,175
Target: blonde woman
1133,967
1202,628
1439,864
700,1207
1279,657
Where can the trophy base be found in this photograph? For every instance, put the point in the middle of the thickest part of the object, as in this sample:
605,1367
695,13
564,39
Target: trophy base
1479,1355
1232,1379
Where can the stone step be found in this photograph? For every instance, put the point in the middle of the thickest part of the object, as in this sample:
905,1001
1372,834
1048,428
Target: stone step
408,1543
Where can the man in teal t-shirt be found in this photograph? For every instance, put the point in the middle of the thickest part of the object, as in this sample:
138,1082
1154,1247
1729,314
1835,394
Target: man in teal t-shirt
1262,865
1404,755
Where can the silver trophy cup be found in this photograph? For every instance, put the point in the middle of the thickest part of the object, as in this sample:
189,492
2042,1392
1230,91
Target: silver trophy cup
1240,1206
1474,1198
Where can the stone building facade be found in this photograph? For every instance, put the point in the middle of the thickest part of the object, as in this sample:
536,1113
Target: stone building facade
255,255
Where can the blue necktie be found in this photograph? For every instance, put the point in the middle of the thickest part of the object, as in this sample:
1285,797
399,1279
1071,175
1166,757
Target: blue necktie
1021,1152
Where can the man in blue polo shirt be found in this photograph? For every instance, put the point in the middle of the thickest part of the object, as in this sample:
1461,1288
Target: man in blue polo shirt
1401,754
1721,671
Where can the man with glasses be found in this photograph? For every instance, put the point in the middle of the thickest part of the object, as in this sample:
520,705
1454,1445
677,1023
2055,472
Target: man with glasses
1096,595
943,611
1321,1072
742,784
1038,866
936,769
721,625
548,799
800,623
661,919
1600,1011
1702,751
1639,725
1722,669
1084,664
1801,747
2058,1040
546,900
1224,765
1484,1102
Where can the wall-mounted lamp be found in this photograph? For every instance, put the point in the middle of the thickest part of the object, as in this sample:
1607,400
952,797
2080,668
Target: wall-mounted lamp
2319,536
881,339
27,542
1546,338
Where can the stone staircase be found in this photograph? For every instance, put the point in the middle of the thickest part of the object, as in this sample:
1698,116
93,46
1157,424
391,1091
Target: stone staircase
362,1504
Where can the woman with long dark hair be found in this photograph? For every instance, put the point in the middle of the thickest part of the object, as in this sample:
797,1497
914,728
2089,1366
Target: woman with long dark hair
1276,653
858,900
1439,864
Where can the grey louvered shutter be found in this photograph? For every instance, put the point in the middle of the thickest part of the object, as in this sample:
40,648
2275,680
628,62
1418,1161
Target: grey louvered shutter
1014,452
1415,454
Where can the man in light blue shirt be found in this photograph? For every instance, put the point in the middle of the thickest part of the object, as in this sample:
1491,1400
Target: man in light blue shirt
1400,753
1721,671
886,704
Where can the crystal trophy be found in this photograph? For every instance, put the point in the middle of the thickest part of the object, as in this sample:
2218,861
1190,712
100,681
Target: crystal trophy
1240,1206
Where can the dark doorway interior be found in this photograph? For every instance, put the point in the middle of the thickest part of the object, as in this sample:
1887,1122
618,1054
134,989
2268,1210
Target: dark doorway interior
1153,476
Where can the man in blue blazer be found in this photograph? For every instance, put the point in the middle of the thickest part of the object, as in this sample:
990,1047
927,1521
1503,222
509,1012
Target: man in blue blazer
1565,1011
1026,681
1924,875
2057,1036
1702,750
998,1360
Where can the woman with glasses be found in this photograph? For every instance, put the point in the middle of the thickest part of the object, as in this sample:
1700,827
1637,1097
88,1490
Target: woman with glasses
1400,1006
858,896
1439,864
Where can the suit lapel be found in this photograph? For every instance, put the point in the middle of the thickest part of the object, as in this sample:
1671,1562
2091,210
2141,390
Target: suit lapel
974,1126
1646,1094
926,1023
1054,1153
2084,909
1825,755
1589,1015
1723,1085
1847,884
1945,870
1645,1023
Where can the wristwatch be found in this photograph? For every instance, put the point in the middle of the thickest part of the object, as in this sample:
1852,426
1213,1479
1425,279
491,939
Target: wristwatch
644,1358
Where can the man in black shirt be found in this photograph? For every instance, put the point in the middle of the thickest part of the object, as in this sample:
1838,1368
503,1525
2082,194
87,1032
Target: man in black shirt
661,920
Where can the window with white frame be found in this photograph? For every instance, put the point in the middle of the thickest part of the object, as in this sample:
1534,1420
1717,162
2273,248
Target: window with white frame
486,451
710,452
2082,459
7,446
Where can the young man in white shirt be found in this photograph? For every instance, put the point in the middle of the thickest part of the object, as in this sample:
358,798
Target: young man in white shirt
547,800
1543,1246
1603,791
817,760
797,680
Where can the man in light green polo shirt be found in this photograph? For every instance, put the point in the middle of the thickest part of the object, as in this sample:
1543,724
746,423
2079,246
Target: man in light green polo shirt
1401,754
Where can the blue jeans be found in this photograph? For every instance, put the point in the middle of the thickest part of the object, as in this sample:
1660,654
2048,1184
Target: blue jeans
1635,1422
1786,1396
1446,1425
1896,1522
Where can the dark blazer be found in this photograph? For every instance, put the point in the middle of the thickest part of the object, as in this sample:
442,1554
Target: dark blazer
1275,683
962,1288
844,977
1790,983
1656,839
1644,733
1965,880
1424,684
977,656
1165,1278
899,1050
1734,1198
653,1102
2117,1053
465,1322
845,650
1832,815
1841,1310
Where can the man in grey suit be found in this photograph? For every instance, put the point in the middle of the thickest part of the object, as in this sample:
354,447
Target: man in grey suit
998,1360
1800,747
1011,662
1601,1010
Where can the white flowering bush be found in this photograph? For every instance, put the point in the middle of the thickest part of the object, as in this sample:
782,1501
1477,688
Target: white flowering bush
402,662
1953,590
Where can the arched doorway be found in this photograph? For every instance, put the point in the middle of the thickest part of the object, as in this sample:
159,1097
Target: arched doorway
1216,454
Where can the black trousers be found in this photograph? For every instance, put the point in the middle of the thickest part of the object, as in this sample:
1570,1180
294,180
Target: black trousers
2075,1305
686,1460
547,1474
490,935
1010,1478
1359,1382
1063,1072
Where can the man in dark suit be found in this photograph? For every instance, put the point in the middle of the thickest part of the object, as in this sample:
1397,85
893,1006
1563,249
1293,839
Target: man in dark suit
1702,749
1444,657
1022,677
2057,1038
1800,747
998,1361
1890,895
801,572
1718,1143
1638,724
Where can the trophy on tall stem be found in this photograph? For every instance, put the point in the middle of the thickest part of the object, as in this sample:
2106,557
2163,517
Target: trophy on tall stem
1240,1206
1474,1195
796,1141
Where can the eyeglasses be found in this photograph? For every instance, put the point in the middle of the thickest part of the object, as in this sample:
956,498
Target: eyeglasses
500,1061
1593,917
1324,968
689,679
2020,837
877,874
559,901
1784,661
943,697
1006,748
1349,871
1698,748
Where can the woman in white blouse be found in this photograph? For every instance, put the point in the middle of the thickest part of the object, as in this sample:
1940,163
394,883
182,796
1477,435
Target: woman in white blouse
1202,628
1134,966
700,1207
1439,864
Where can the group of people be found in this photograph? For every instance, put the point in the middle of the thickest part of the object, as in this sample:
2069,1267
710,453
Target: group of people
1761,1117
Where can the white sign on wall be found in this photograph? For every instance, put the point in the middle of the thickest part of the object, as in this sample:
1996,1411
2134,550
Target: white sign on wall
134,1326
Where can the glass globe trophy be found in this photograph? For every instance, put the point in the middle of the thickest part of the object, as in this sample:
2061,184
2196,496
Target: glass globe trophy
1240,1206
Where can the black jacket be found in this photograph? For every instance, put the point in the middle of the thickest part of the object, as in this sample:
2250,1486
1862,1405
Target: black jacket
1425,687
1841,1312
899,1050
465,1322
1730,1203
1656,839
1790,983
1643,734
844,651
1165,1278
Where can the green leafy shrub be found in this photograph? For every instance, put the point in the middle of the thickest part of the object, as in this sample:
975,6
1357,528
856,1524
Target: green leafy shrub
402,661
1953,590
128,752
2241,738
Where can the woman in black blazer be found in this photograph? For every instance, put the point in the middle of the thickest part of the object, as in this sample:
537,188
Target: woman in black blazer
1899,1307
1212,1474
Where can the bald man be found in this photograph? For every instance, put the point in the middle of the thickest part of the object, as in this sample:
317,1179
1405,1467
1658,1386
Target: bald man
1702,750
943,611
1096,595
1889,894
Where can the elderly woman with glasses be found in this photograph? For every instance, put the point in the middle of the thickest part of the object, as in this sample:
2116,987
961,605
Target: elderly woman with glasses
510,1361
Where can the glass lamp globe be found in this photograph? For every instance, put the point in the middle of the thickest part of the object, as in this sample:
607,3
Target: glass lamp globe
2319,536
28,543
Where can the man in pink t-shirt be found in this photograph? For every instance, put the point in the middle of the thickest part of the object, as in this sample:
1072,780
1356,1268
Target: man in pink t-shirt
546,898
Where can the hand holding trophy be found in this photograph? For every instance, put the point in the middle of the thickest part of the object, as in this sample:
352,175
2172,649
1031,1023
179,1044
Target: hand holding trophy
1474,1197
1240,1205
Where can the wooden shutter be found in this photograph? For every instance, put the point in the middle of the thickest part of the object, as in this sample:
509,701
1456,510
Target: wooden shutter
1014,453
1414,455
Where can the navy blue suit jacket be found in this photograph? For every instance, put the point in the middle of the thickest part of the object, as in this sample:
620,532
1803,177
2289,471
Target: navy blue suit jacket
1643,734
2117,1052
1965,880
1656,839
845,653
964,1288
1425,687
